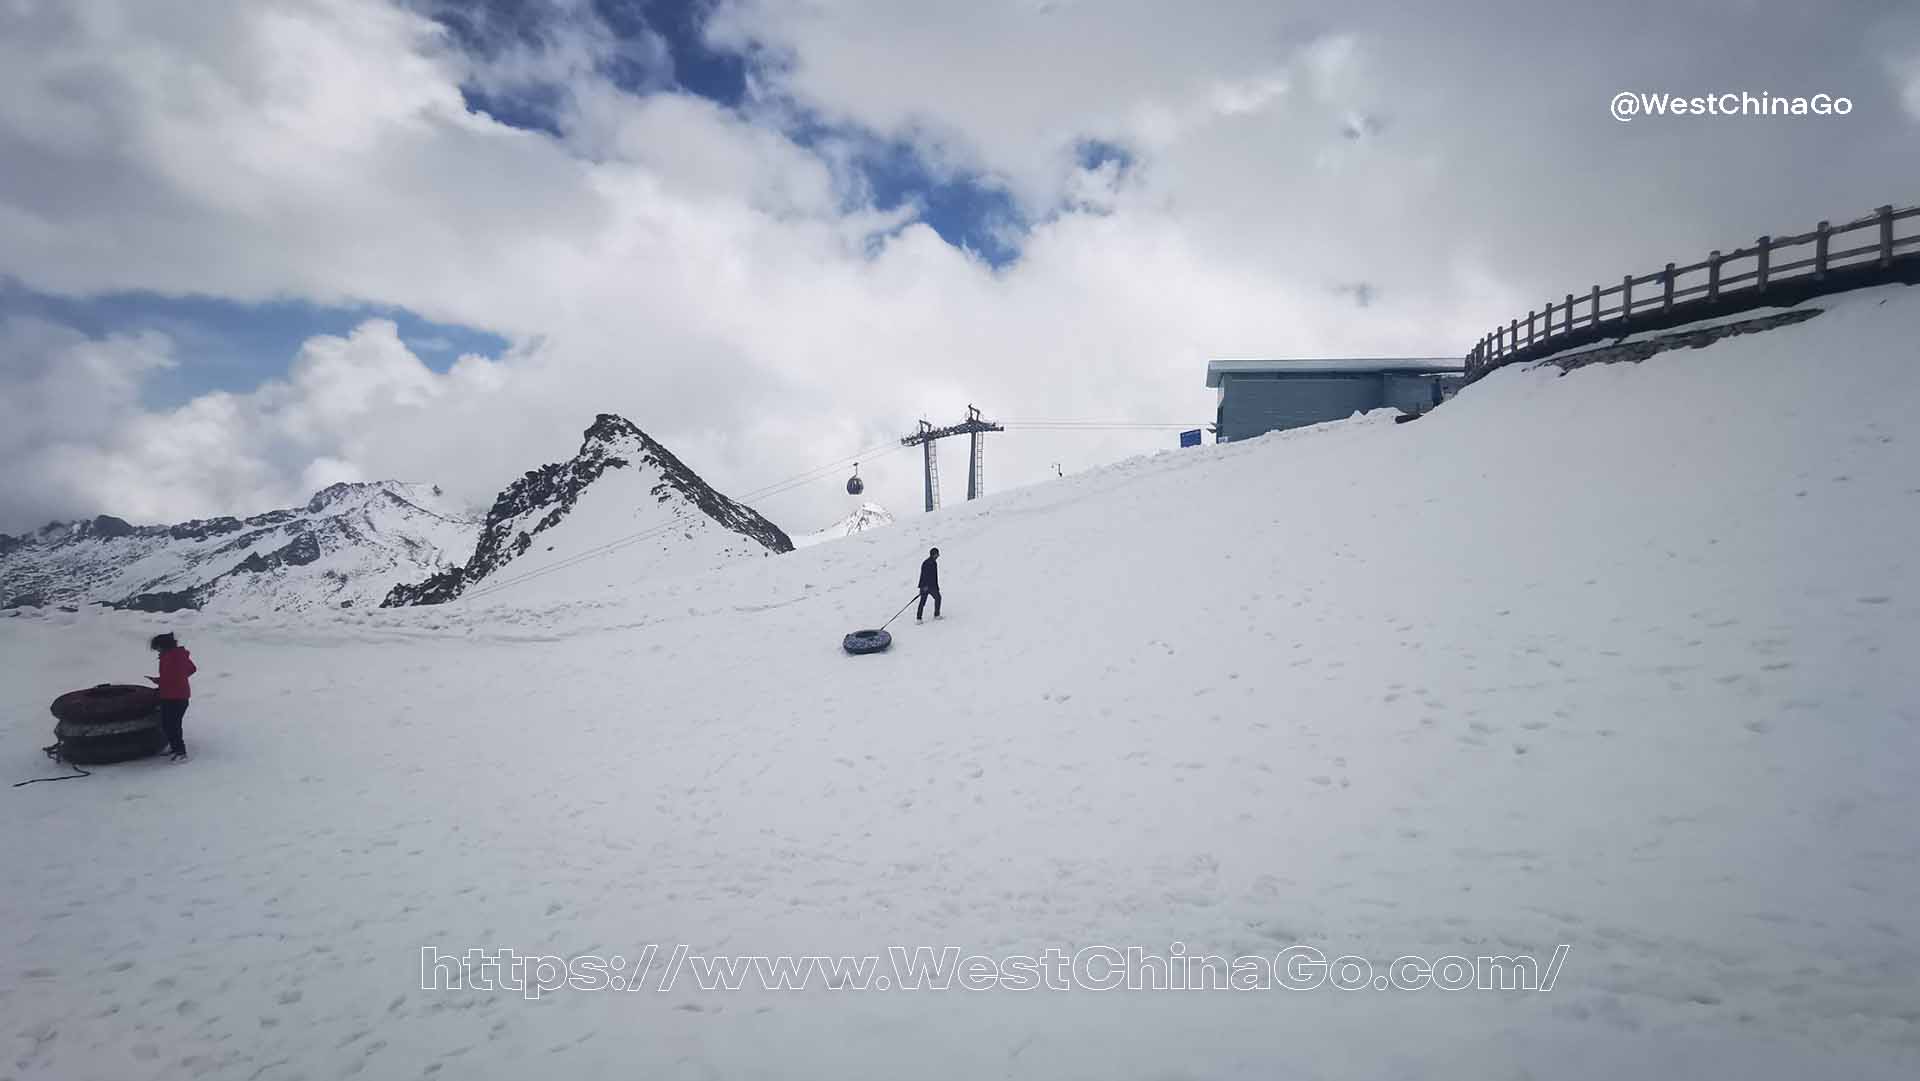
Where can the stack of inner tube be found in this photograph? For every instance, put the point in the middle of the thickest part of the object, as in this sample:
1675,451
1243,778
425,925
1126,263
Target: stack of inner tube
113,722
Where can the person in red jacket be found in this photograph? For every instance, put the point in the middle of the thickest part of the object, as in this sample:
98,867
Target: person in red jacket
176,664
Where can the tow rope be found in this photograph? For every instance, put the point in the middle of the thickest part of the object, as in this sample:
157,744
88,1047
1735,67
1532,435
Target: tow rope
53,752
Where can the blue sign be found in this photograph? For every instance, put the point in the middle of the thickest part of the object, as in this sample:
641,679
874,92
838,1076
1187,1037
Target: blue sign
1190,438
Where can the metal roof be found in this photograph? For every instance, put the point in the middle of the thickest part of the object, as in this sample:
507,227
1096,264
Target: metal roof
1441,365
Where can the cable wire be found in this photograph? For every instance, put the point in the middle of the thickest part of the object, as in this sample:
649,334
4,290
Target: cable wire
1096,425
781,487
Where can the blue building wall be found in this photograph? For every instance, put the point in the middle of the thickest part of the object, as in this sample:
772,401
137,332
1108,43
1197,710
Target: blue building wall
1255,403
1417,392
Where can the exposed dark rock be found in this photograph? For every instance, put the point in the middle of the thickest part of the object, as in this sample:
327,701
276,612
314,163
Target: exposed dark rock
202,528
298,552
106,526
1697,338
162,601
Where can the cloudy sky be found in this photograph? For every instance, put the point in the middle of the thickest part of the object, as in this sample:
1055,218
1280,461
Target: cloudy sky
252,247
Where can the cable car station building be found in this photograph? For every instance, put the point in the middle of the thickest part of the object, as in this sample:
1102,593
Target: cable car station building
1261,396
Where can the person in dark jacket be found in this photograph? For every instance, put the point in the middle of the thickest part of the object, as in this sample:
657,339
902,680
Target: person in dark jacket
929,585
176,664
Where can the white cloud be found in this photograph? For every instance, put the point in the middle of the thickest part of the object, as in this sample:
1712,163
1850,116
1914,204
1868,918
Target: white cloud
1906,78
323,472
719,282
72,421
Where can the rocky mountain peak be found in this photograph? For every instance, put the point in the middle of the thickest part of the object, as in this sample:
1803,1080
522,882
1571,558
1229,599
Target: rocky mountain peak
542,499
611,428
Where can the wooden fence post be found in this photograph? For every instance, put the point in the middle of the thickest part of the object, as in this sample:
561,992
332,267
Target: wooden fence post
1713,275
1666,296
1529,326
1569,326
1626,297
1886,236
1820,233
1764,255
1596,306
1513,335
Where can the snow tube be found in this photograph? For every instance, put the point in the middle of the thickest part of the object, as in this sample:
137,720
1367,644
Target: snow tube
866,641
68,731
106,703
108,723
119,741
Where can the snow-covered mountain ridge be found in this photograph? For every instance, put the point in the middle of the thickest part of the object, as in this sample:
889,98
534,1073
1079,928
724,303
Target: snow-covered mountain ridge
865,517
394,543
347,545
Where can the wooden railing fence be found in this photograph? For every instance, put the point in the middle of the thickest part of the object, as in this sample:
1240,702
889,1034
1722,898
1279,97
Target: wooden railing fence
1827,259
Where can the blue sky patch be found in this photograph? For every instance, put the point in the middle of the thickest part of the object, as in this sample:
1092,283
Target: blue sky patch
531,108
681,24
646,46
1095,153
226,345
968,211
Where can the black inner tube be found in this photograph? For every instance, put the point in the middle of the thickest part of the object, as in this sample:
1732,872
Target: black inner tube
111,690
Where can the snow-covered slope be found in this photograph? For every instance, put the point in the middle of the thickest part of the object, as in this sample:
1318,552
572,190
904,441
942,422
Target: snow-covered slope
862,518
1618,659
621,509
348,545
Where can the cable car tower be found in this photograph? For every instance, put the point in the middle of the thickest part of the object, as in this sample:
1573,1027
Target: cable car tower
973,427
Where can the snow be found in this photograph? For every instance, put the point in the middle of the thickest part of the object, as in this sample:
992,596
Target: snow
1616,658
868,515
369,536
